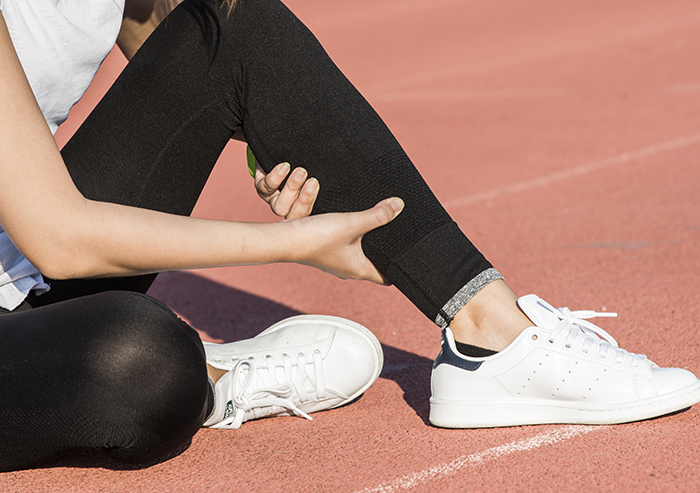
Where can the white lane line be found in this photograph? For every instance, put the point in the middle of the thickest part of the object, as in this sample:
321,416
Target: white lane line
570,173
418,478
532,50
684,87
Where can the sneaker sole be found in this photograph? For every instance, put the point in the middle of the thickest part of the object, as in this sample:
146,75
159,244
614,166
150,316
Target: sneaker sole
516,412
340,322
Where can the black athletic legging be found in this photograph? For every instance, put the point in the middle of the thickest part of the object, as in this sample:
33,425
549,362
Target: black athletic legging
152,142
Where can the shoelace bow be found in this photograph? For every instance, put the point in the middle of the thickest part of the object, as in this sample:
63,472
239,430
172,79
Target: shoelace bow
263,391
575,329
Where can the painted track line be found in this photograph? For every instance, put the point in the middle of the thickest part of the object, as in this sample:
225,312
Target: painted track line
535,54
418,478
580,170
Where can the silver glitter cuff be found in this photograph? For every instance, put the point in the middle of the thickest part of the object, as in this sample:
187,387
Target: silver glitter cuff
464,295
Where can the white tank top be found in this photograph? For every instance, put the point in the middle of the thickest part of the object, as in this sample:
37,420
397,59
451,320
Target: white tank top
61,44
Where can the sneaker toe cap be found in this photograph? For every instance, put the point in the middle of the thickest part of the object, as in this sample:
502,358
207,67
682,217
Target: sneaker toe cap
668,380
353,362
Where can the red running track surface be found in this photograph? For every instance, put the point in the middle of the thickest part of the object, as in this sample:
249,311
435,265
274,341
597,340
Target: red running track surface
564,138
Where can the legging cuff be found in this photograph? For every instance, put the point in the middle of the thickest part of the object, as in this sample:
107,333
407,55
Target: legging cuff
465,294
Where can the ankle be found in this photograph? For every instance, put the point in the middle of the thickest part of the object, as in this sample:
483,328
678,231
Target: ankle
491,319
215,373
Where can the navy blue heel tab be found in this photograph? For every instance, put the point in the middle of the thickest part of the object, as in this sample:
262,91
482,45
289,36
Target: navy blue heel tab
447,356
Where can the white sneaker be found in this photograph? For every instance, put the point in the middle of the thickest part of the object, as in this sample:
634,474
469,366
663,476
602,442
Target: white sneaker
298,366
562,370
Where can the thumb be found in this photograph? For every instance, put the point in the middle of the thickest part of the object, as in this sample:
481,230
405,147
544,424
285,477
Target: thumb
385,211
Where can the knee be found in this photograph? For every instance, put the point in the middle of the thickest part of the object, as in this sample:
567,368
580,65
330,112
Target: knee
151,369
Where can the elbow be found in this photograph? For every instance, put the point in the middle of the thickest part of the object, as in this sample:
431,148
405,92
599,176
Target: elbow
56,271
61,243
62,259
55,266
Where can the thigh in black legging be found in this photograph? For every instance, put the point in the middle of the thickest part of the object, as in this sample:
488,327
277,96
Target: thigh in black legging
203,75
116,371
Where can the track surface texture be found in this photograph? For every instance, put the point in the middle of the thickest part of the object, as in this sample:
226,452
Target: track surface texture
564,138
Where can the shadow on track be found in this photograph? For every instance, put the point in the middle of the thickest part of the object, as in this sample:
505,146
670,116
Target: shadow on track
229,314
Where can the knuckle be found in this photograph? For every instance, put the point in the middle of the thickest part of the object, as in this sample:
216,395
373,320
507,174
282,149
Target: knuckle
382,215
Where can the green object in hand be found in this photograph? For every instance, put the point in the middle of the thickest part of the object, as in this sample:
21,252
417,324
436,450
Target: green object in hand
251,161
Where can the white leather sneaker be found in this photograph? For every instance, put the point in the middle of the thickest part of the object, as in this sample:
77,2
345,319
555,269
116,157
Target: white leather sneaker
562,370
298,366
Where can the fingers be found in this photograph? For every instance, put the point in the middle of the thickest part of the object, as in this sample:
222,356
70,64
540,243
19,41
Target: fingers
268,184
296,199
282,204
304,203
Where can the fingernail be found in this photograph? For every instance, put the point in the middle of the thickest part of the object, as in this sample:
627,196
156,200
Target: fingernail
299,174
396,204
283,169
311,185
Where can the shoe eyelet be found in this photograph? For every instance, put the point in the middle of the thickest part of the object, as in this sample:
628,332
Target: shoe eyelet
317,351
567,346
550,341
534,337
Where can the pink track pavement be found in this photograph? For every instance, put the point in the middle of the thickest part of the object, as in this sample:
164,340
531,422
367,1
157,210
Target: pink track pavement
564,138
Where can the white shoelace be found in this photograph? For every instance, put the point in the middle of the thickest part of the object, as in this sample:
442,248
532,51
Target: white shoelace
575,329
259,391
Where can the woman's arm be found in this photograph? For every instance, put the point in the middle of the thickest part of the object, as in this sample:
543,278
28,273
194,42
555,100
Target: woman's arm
68,236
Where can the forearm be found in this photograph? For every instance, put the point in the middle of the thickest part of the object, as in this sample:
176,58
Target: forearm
112,240
106,240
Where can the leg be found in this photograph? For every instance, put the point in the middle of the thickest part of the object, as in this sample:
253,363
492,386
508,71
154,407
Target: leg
491,320
116,371
203,75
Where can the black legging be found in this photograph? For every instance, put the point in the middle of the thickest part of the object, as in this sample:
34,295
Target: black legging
152,142
114,370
